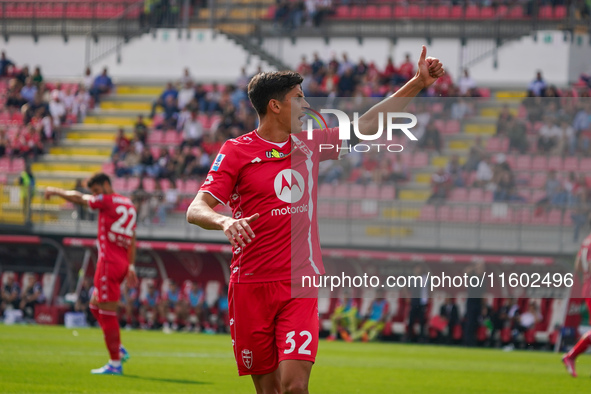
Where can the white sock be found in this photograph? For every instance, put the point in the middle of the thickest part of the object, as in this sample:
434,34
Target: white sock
115,363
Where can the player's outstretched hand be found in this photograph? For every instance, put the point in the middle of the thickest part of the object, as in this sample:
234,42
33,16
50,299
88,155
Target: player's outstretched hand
429,69
49,191
238,231
132,279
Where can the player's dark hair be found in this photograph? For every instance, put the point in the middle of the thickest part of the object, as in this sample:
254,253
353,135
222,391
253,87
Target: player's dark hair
99,179
268,86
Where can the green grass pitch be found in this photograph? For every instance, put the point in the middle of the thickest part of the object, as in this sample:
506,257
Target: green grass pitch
36,359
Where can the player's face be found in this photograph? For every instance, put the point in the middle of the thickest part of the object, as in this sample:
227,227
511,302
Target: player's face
97,189
295,103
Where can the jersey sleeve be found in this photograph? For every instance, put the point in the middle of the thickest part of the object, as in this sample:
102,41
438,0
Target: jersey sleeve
99,202
329,144
222,175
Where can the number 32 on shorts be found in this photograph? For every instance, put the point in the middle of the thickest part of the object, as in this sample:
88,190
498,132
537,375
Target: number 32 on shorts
303,349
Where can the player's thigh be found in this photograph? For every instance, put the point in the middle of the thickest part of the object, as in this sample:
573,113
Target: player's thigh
107,282
297,330
252,327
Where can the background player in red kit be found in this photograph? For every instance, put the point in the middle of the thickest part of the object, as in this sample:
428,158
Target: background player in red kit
581,266
268,177
116,247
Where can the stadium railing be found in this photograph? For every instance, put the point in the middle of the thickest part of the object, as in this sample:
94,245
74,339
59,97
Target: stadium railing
374,222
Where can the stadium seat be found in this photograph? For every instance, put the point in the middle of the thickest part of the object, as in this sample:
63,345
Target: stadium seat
487,13
428,213
415,11
472,12
538,180
458,194
457,12
372,192
385,12
515,12
387,193
560,12
555,163
539,163
523,163
545,12
452,126
493,144
325,191
356,192
571,164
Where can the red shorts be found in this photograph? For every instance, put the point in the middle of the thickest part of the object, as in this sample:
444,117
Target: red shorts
107,280
268,326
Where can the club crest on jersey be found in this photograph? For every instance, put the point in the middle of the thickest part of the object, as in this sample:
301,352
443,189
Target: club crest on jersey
289,186
217,162
274,154
247,358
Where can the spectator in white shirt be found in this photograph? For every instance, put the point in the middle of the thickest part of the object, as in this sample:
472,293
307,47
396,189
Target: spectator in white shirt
484,173
466,83
191,127
186,78
57,109
186,94
549,134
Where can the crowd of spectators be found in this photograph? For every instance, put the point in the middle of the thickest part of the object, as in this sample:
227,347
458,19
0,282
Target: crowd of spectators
21,297
33,112
509,323
175,308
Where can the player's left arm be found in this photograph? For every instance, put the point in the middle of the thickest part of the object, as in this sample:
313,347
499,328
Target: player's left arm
72,196
131,274
429,69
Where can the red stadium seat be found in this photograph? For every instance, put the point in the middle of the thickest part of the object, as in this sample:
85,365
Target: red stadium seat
371,12
560,12
539,163
571,164
487,13
493,144
459,194
523,162
476,195
545,12
472,12
516,13
155,137
385,12
452,126
443,12
415,11
427,213
457,12
555,163
372,192
400,12
538,180
387,193
326,191
420,159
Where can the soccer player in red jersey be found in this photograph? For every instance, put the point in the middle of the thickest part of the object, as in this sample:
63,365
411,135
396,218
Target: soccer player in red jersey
116,257
581,266
268,177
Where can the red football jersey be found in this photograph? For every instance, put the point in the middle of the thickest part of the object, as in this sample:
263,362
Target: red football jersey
116,226
279,182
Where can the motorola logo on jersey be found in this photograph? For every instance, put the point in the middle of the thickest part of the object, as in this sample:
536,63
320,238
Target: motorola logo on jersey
289,186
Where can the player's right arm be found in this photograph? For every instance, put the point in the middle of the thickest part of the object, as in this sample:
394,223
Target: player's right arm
201,213
72,196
